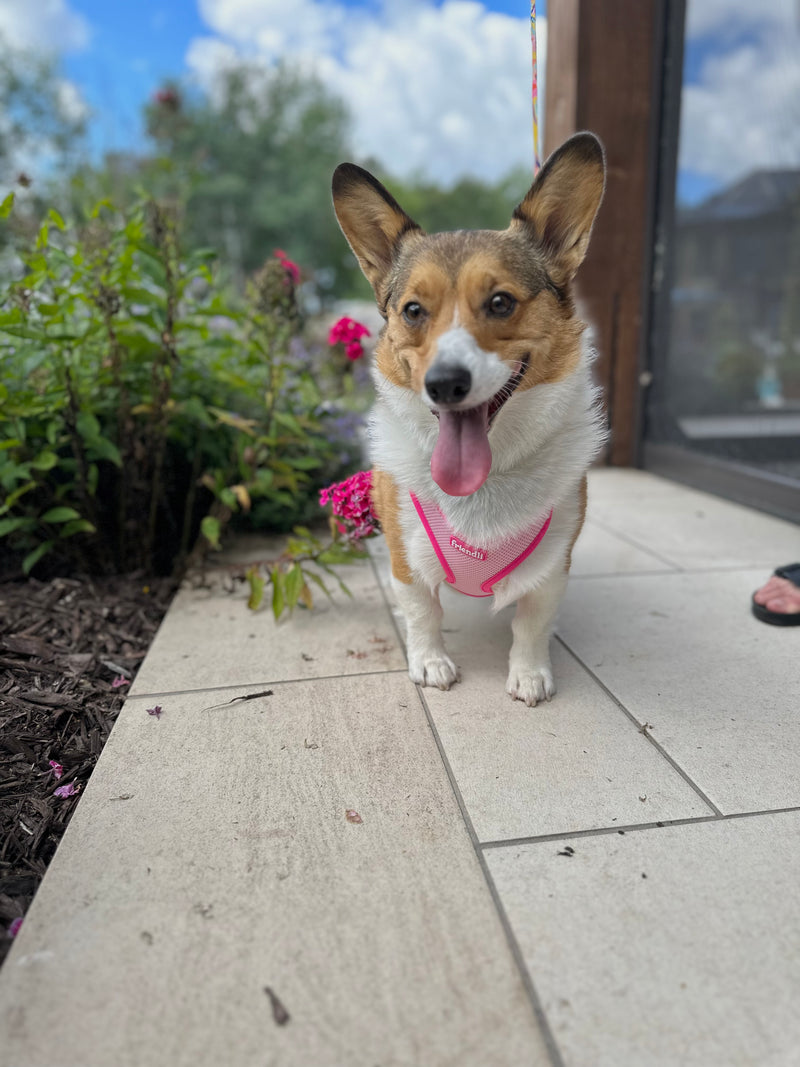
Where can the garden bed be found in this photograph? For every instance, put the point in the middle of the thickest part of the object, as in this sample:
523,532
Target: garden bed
69,649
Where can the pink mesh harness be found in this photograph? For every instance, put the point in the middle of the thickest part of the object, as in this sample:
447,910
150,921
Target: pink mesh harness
473,571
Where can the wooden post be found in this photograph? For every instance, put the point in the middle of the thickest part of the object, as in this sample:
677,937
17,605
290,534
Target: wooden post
603,75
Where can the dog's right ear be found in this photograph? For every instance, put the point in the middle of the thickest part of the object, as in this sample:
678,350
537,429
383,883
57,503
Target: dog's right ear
371,220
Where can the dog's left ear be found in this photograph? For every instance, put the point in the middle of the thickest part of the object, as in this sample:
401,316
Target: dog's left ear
561,205
371,220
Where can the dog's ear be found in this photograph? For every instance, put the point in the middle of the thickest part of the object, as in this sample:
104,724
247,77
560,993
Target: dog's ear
561,205
371,220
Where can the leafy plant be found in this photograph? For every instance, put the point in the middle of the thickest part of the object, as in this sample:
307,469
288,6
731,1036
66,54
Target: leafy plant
142,401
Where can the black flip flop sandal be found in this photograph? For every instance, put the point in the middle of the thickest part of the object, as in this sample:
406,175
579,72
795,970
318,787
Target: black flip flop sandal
780,618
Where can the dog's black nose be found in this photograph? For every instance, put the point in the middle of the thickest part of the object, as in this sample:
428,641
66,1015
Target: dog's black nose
448,385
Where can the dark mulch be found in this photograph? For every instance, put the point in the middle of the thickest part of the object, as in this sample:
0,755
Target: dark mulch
62,644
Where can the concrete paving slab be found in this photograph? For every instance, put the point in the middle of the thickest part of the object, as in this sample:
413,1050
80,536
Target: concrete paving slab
211,638
665,946
211,857
575,763
601,552
721,689
688,528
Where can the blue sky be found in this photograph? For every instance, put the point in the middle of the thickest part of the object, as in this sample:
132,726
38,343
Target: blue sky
393,61
132,48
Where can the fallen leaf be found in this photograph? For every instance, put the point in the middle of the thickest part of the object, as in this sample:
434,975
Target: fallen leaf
279,1013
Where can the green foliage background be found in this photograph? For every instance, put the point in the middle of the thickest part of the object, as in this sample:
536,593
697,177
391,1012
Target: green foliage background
157,377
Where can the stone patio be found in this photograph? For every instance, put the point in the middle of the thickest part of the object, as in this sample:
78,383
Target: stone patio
608,879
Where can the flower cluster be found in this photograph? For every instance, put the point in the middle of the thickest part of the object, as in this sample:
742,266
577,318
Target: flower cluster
168,98
348,332
351,501
291,268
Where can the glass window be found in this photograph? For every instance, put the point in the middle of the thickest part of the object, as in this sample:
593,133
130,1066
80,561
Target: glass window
727,383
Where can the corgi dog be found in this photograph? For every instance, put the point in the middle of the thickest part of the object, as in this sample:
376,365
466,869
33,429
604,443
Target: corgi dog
486,418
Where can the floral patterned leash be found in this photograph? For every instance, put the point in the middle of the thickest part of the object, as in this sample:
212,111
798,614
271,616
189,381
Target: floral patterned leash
535,92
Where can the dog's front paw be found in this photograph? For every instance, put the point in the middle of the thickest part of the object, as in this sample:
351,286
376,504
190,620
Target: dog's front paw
531,684
435,670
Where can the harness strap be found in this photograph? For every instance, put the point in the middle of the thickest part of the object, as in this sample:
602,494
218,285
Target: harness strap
470,569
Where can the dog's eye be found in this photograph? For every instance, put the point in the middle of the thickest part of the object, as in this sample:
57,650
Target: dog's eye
413,312
501,305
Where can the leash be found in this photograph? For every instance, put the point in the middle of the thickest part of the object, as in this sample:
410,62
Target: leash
535,93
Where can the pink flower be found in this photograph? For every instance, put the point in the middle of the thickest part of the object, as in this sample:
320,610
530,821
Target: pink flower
292,270
348,332
119,681
155,711
68,790
167,98
14,925
58,770
351,502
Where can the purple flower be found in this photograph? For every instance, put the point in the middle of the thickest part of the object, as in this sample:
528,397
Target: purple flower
155,711
14,926
68,790
119,681
58,770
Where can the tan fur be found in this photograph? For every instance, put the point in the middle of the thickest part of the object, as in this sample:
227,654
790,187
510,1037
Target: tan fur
385,502
583,496
540,324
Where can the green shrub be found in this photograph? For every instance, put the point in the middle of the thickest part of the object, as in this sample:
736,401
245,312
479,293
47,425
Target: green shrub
140,400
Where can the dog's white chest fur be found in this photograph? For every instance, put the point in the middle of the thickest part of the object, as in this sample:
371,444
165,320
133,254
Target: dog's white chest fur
542,444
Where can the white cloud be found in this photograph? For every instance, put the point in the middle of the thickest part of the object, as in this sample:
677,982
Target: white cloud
42,25
443,91
743,111
71,103
727,18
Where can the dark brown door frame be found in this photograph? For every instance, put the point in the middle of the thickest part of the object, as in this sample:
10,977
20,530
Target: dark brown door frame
605,73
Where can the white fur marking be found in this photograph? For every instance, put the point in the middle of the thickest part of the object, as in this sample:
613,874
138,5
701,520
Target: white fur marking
458,348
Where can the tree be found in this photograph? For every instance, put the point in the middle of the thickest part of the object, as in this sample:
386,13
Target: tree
253,163
41,125
469,205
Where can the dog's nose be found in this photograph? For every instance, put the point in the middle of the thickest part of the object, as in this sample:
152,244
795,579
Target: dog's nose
448,385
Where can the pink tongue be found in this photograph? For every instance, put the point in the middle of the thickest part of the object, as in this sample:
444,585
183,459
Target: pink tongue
462,458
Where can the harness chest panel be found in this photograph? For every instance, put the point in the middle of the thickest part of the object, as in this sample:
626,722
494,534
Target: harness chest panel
470,569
